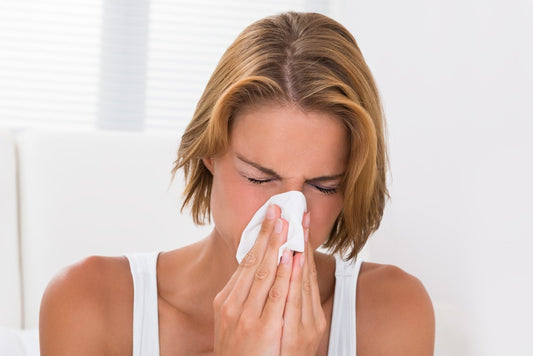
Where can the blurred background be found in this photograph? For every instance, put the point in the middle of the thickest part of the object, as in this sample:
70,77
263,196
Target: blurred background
456,81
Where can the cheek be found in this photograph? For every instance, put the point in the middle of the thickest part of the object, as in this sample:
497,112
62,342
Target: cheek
246,201
233,203
324,211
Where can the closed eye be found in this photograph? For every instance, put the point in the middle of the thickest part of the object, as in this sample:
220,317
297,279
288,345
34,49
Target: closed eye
325,190
258,181
321,189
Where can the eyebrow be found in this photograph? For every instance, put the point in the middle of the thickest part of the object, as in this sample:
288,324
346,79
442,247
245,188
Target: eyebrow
268,171
271,172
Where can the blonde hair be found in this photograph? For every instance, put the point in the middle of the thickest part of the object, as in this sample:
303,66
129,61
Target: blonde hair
312,61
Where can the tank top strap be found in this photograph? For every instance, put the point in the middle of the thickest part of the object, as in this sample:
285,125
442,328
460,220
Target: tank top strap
342,338
145,311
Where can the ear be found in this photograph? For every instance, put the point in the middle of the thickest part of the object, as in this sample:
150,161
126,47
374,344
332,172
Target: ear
209,163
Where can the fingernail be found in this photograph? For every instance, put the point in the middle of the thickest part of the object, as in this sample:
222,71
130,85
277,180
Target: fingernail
279,226
271,212
302,258
285,256
307,220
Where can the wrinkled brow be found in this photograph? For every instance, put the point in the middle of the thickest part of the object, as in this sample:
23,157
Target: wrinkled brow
271,172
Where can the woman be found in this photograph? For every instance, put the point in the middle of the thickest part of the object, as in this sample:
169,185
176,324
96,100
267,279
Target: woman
291,106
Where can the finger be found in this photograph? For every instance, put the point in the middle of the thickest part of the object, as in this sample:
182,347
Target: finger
311,303
293,308
240,282
266,272
306,220
311,294
277,295
310,266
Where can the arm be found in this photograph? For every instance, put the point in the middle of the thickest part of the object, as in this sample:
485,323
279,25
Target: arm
395,313
74,308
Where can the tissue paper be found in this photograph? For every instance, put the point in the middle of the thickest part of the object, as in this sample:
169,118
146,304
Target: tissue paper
293,206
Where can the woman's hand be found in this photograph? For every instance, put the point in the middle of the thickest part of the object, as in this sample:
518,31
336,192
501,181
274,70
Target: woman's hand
304,320
249,310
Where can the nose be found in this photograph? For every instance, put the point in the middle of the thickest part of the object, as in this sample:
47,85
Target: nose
293,185
296,185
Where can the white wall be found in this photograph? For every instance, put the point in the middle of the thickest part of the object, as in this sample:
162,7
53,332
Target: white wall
457,83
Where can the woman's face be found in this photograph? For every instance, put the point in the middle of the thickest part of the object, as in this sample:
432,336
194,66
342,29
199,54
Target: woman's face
274,149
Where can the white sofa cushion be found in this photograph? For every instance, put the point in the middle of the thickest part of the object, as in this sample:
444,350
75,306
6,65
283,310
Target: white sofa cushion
14,342
10,297
104,193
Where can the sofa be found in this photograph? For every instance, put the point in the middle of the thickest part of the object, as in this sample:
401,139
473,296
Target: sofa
66,194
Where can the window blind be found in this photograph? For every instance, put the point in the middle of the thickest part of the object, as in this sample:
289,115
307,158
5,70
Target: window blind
186,41
49,62
117,64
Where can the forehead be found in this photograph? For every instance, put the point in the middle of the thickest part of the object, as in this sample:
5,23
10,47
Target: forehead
286,137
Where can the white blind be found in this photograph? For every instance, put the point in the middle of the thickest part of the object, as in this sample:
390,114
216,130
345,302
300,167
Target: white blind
185,43
121,64
49,62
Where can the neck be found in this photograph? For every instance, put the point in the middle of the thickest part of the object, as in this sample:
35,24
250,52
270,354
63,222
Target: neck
206,267
217,259
189,278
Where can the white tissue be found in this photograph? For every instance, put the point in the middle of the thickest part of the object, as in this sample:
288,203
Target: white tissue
292,206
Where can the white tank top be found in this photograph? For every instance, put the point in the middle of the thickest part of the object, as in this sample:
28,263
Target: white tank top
342,338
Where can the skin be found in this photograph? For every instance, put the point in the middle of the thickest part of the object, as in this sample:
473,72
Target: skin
258,306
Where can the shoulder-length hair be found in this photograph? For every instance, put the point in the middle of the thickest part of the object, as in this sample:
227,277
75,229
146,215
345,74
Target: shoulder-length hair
309,60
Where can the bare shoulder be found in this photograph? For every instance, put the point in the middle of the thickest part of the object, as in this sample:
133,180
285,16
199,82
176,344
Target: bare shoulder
86,306
394,313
